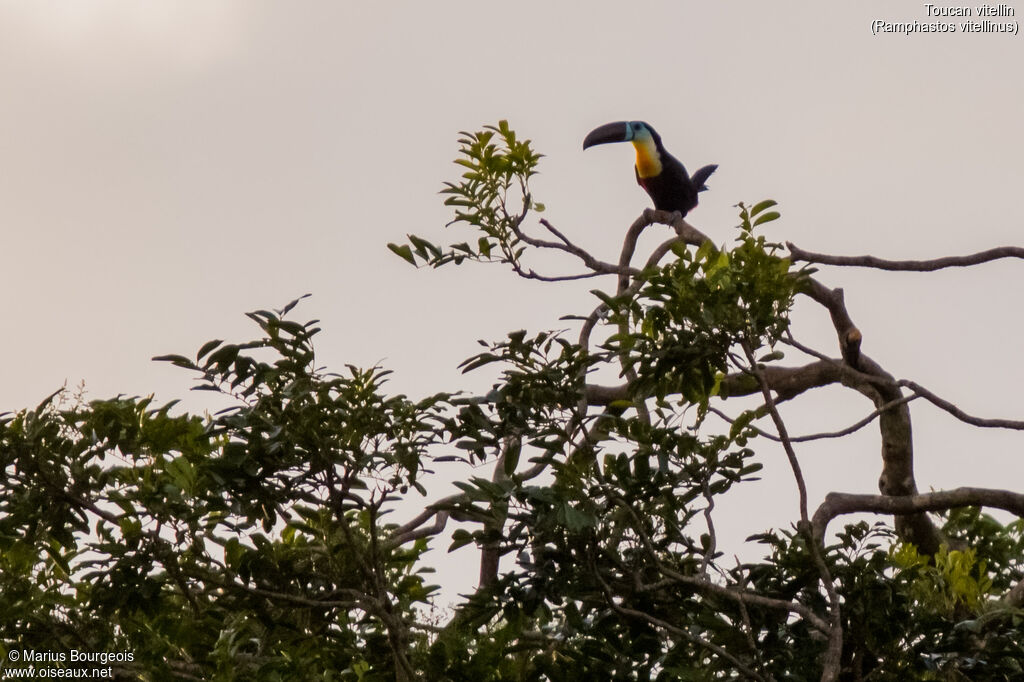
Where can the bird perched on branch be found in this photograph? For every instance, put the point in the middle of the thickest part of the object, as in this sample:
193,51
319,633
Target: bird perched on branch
657,171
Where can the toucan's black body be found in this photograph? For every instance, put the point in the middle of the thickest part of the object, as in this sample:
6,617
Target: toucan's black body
662,175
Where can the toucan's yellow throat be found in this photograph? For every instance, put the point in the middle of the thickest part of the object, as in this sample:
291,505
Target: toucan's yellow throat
648,160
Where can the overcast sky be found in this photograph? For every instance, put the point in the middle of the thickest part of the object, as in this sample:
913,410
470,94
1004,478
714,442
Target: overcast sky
167,166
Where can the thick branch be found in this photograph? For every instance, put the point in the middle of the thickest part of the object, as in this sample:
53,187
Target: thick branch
897,478
908,265
440,521
787,382
836,504
849,336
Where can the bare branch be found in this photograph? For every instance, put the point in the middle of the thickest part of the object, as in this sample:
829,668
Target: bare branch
828,434
957,412
787,382
409,531
836,504
908,265
440,522
597,266
686,233
529,273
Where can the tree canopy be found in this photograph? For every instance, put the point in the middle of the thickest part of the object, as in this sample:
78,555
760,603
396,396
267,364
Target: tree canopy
262,541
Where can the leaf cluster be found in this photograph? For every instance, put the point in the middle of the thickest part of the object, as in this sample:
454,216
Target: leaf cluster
495,161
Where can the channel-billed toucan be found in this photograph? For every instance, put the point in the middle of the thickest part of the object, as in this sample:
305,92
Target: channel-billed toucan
657,171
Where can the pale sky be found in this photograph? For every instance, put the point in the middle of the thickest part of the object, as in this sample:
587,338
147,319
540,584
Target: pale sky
167,166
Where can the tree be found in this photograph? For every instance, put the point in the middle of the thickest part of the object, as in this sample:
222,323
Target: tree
257,542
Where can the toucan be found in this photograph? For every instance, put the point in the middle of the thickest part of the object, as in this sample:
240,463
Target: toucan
657,171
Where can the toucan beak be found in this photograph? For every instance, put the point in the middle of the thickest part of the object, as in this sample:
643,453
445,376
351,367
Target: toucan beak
609,132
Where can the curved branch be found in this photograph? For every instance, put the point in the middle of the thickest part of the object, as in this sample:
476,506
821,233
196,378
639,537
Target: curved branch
836,504
958,413
908,265
824,435
415,533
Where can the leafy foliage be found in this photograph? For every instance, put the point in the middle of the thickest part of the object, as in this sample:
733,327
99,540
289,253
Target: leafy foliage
256,542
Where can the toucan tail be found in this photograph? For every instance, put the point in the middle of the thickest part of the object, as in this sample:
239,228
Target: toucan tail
701,176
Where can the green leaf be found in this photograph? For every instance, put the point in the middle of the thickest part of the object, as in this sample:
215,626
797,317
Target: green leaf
574,519
207,347
704,250
460,538
423,246
762,205
484,245
766,218
403,251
